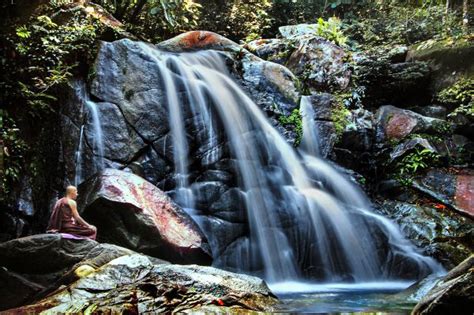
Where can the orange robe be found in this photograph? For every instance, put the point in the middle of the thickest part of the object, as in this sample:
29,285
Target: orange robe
62,221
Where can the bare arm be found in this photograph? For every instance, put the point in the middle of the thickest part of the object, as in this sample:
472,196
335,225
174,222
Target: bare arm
76,215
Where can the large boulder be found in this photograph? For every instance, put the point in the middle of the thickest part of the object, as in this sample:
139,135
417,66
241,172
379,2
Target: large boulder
454,294
441,233
400,83
394,124
131,212
320,64
447,60
134,284
35,265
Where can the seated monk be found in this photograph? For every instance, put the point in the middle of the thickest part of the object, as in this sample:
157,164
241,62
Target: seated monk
66,219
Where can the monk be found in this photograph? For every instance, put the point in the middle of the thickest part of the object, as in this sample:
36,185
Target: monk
66,219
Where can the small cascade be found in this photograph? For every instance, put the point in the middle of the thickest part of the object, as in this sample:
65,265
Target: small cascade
310,139
92,136
78,158
307,215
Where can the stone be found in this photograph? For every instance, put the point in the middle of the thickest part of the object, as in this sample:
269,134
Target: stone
291,31
393,123
454,294
320,64
434,111
133,283
403,148
446,58
441,234
35,265
120,141
133,213
453,187
274,49
400,84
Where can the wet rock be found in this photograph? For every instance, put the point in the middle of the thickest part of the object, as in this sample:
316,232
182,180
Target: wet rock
130,212
151,166
207,192
401,84
275,50
434,111
446,59
120,141
320,64
454,294
230,206
35,265
395,124
452,187
407,146
221,232
441,234
126,75
291,31
198,40
134,284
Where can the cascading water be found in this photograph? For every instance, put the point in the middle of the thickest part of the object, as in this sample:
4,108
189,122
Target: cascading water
78,158
300,211
95,134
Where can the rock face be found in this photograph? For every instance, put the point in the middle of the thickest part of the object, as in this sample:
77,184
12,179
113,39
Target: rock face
131,212
440,232
446,59
133,284
454,294
33,266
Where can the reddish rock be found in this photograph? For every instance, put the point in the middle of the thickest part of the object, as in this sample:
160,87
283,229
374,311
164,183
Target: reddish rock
196,40
394,123
133,213
400,125
464,197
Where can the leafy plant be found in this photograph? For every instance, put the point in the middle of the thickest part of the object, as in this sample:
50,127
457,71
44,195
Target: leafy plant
331,30
412,163
460,94
295,120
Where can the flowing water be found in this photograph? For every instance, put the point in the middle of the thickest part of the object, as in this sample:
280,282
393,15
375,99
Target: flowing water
96,142
307,213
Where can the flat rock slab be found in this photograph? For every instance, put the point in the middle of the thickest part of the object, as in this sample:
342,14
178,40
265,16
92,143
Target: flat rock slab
132,283
133,213
34,265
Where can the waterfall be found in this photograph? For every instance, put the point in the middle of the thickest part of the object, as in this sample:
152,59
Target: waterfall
308,215
78,158
310,139
96,142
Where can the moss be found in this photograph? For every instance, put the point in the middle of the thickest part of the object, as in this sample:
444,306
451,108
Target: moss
294,119
340,114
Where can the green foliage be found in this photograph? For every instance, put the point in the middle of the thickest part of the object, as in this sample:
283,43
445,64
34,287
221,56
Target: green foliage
419,159
340,115
155,19
331,30
404,24
460,95
295,120
237,20
13,150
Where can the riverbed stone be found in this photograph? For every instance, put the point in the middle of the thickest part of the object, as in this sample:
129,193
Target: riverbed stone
133,283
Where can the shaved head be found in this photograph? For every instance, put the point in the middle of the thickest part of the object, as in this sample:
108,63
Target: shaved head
71,190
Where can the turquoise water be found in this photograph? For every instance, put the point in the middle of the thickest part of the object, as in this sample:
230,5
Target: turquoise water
370,298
